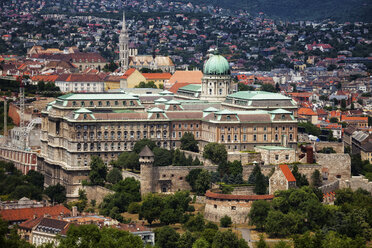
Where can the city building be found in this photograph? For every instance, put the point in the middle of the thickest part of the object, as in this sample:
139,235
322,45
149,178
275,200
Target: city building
78,126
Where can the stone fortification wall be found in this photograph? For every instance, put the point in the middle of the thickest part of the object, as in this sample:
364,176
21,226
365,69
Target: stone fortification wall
244,157
216,209
236,207
337,146
357,182
277,156
330,187
127,174
243,190
206,162
167,178
96,193
335,165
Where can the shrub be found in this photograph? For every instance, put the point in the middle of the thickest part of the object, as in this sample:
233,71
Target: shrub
133,208
225,221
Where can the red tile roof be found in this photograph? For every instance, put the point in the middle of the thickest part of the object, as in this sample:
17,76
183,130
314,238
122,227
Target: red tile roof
44,78
22,214
128,73
164,75
238,197
306,111
29,224
287,173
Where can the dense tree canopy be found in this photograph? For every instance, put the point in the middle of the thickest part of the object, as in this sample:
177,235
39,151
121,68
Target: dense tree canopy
92,236
215,152
189,143
98,171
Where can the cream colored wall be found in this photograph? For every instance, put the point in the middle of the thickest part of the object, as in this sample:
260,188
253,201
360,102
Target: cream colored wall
112,85
366,156
135,78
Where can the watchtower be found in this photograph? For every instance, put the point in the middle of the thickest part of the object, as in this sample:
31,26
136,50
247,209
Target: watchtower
146,160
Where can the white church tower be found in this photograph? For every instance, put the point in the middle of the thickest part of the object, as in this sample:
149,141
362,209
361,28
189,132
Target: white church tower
124,46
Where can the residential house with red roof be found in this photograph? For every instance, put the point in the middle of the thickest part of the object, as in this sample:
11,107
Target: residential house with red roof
17,216
282,179
131,78
308,114
48,230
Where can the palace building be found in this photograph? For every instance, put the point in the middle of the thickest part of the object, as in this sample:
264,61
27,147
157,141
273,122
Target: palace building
77,126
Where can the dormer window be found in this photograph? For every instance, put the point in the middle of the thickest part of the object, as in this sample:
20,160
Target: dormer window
82,104
283,117
73,103
108,103
228,117
91,103
100,104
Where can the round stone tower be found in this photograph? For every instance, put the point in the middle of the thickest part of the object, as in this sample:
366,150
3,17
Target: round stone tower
216,81
146,160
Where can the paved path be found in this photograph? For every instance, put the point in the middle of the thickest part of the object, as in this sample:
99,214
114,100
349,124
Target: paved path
246,234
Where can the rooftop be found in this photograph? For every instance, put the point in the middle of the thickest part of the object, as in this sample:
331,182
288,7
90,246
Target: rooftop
100,96
258,95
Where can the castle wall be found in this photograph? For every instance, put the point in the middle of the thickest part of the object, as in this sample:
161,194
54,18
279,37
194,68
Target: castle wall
244,157
215,209
337,146
96,193
337,166
277,156
357,182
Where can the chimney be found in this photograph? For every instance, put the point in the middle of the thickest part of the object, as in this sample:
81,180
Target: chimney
74,211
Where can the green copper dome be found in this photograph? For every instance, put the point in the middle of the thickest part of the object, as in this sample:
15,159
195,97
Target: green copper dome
216,65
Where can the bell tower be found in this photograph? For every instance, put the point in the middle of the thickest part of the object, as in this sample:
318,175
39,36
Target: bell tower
124,46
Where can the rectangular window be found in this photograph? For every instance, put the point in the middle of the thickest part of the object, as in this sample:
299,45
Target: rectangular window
254,137
276,157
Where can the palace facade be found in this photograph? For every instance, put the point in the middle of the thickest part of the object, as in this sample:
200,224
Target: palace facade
76,127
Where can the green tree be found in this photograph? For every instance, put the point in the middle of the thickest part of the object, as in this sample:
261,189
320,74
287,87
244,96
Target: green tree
316,179
258,213
192,177
261,243
301,179
196,162
215,152
189,143
110,67
114,176
276,225
56,193
282,244
162,157
195,223
228,239
151,208
186,240
98,171
35,178
142,143
166,237
10,238
203,182
92,236
201,243
343,104
225,221
128,160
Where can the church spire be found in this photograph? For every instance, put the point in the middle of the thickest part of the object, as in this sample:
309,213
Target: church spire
123,27
124,46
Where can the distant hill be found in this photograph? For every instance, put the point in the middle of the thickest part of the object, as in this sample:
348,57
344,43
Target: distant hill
338,10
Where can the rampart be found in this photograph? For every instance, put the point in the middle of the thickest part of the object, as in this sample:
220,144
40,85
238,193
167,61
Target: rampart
236,207
96,193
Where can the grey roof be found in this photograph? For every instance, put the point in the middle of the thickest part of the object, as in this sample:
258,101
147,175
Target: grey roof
146,152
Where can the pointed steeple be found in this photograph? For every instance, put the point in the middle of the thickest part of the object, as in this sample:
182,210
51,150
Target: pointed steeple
124,46
123,27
